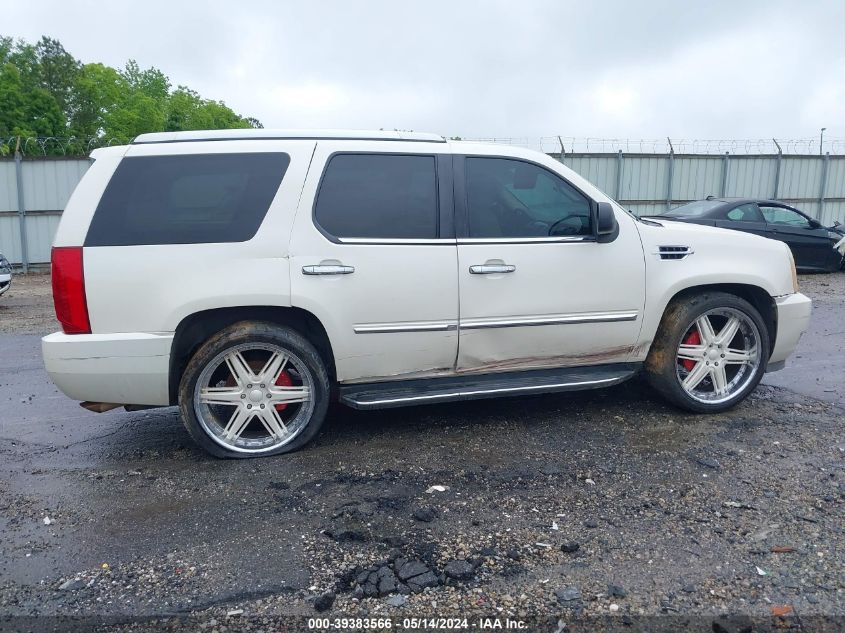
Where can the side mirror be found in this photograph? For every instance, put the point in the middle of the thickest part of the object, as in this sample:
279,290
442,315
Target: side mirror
815,224
606,226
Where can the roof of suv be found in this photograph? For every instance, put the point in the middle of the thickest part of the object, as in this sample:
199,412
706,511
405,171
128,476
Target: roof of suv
249,134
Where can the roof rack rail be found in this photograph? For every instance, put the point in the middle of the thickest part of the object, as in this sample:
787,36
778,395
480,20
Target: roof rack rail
261,134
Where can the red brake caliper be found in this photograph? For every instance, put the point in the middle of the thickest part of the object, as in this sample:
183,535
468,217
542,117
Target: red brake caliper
692,339
284,380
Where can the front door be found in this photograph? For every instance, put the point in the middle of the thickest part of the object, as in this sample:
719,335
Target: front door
745,217
810,244
536,288
374,258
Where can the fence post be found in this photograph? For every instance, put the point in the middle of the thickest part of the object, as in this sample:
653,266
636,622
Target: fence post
21,208
777,170
618,176
724,185
825,167
670,175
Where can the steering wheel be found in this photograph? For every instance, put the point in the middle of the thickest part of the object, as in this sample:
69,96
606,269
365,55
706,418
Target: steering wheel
572,231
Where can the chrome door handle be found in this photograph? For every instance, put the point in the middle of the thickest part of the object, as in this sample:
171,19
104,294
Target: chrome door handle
328,269
491,269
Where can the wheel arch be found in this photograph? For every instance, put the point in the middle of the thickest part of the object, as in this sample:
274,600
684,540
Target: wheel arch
198,327
762,301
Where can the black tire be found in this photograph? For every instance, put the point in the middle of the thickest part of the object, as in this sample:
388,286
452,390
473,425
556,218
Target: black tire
662,363
254,332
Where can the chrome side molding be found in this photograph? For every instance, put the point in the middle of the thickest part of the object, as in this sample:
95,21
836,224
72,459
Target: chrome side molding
391,328
554,319
490,323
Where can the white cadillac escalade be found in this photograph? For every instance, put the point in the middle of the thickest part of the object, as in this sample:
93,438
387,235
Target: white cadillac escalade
251,276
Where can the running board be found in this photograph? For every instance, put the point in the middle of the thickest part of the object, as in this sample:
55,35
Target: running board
399,393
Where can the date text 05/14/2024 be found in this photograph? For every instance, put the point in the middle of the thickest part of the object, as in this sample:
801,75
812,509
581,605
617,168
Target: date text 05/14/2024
483,624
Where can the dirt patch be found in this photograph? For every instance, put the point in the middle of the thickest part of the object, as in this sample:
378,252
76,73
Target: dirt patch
27,307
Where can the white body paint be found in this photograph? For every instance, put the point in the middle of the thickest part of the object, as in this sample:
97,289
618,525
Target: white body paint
410,309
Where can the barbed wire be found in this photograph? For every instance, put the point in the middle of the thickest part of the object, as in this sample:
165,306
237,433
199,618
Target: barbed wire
55,145
570,145
82,146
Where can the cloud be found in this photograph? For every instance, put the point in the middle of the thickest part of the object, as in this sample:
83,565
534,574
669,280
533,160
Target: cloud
718,69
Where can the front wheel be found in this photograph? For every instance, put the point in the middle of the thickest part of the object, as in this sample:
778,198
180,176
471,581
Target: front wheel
710,352
254,389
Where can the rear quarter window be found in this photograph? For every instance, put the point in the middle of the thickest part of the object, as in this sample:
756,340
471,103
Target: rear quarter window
187,199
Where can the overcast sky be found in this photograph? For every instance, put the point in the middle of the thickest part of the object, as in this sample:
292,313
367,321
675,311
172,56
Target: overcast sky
518,68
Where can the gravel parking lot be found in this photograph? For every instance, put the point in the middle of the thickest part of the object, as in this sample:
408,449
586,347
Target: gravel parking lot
606,509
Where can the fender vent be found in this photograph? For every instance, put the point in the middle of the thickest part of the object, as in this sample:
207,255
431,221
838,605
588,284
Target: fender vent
673,252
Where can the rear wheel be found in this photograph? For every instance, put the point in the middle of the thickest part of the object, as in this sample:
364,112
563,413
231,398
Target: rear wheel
254,389
710,352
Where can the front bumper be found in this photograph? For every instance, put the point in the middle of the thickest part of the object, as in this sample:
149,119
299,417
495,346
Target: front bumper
5,282
793,318
117,368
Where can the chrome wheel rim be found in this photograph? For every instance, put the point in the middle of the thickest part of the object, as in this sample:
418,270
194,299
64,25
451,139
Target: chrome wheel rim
718,355
254,397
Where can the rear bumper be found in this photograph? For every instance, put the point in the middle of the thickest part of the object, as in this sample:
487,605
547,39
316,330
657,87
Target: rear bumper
793,319
119,368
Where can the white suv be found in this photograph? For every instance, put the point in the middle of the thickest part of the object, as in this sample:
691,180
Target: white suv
252,276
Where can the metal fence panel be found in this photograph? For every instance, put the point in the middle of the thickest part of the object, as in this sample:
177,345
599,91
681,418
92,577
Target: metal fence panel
47,184
644,178
835,178
834,211
801,177
644,186
10,237
645,208
751,176
40,231
599,170
8,189
696,177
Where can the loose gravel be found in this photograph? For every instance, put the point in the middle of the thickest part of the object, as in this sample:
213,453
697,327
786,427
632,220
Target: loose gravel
605,509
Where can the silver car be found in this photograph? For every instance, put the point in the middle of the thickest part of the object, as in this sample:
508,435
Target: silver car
5,274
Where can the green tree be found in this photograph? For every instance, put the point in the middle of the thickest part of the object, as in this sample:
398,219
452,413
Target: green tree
57,73
99,90
46,92
23,112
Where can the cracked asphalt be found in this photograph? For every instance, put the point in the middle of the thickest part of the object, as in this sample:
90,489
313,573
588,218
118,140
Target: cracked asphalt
607,507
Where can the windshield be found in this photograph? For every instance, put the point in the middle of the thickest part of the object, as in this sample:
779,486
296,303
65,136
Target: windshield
693,209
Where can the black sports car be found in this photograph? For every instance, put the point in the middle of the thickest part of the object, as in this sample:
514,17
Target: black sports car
815,247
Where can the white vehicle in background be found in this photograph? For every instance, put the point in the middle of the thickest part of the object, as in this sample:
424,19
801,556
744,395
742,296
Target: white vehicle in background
252,276
5,274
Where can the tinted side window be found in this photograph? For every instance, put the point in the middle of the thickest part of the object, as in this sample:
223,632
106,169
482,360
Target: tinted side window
746,213
779,215
186,199
510,198
379,196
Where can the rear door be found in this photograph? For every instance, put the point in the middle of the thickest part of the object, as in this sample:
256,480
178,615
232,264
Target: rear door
374,257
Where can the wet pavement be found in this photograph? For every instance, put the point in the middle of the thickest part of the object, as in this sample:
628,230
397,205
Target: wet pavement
118,514
817,368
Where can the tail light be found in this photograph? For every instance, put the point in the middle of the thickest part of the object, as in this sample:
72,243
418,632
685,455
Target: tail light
69,290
